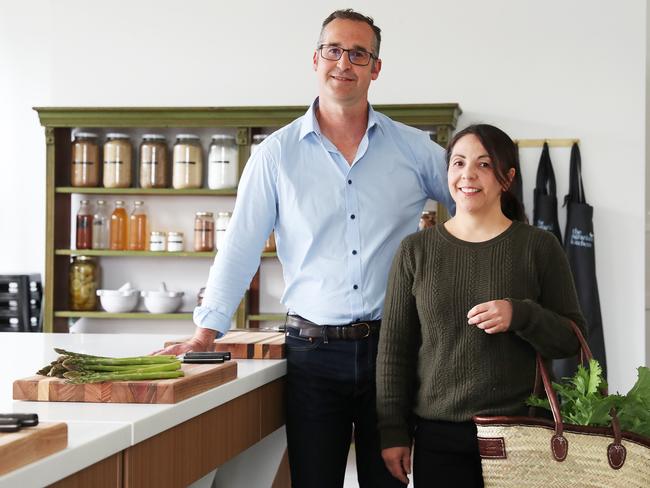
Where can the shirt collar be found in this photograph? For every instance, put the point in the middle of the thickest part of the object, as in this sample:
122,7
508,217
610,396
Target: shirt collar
310,122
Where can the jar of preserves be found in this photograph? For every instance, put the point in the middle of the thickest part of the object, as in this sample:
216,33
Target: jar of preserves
188,162
223,219
153,161
84,226
175,242
119,227
117,160
83,283
427,219
157,241
223,162
101,221
203,232
85,160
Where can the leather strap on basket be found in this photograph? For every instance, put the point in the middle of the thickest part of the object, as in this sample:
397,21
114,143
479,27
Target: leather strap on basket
616,452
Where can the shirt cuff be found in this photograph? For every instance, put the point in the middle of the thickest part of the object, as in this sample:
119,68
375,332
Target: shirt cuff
394,437
211,319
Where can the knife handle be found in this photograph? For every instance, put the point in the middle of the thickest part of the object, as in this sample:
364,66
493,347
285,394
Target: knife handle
9,425
24,419
196,360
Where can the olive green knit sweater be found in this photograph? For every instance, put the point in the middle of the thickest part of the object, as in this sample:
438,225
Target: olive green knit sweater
431,363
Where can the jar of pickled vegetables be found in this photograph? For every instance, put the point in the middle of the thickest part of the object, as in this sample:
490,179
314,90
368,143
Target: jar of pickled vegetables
83,278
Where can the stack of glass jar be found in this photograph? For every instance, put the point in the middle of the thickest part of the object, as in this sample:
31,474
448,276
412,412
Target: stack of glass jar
117,231
117,170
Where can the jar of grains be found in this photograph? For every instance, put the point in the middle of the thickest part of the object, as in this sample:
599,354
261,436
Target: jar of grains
85,160
117,160
188,162
203,232
153,161
223,219
83,282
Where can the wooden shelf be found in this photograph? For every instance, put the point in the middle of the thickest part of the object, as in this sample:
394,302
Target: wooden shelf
130,315
145,191
143,254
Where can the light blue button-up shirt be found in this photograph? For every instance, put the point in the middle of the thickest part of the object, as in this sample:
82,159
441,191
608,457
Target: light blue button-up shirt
337,226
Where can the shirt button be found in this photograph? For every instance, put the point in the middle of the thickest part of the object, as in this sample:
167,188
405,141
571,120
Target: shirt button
349,182
352,216
354,253
356,287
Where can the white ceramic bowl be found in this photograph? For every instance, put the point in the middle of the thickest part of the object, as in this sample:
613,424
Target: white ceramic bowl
162,301
116,301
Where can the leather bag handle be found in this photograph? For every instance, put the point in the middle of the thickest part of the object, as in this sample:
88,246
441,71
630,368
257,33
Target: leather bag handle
616,452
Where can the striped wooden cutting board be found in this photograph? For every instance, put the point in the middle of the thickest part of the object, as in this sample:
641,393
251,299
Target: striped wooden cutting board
30,444
198,378
250,344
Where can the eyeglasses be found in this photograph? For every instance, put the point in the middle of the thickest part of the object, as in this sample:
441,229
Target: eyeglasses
356,56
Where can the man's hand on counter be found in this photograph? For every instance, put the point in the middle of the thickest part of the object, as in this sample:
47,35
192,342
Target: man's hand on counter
201,341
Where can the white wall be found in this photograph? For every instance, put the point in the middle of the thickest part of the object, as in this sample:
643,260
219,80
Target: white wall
537,69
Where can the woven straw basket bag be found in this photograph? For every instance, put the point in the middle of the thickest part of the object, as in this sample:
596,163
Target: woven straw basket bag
530,452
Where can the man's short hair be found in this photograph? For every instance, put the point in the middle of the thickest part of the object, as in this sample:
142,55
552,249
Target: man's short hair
349,14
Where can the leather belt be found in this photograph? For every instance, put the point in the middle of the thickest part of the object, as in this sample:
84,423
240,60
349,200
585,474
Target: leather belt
350,332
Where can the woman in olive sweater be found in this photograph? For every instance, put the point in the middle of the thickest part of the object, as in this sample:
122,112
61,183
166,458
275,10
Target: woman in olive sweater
469,303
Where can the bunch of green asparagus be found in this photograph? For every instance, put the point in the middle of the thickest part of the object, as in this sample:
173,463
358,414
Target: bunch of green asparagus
83,368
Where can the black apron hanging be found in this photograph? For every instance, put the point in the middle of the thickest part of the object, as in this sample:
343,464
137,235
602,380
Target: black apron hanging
545,200
579,246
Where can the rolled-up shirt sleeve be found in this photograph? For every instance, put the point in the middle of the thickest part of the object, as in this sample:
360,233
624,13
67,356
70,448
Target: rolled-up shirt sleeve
237,261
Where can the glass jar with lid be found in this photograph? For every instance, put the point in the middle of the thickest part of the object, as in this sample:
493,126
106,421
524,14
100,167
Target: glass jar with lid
175,242
204,232
85,160
138,232
427,219
223,162
153,161
188,162
83,283
117,160
157,241
223,219
257,140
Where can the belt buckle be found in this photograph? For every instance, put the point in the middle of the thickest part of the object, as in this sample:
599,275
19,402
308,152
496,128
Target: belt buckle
359,324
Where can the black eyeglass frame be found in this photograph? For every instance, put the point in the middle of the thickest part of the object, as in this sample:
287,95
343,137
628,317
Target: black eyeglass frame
348,51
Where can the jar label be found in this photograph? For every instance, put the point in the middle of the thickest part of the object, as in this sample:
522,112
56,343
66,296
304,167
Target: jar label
220,161
184,162
83,162
113,162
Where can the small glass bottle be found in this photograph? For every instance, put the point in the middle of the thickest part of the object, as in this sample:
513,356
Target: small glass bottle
153,161
223,219
83,283
85,160
203,232
257,140
117,160
188,162
101,221
138,227
119,227
175,242
84,226
223,162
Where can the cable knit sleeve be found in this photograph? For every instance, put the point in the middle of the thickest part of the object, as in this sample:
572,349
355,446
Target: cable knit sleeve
544,323
398,352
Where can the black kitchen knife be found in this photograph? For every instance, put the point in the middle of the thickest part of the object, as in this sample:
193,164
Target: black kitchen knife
24,419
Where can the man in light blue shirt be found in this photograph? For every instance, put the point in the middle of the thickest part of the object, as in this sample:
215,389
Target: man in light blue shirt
341,187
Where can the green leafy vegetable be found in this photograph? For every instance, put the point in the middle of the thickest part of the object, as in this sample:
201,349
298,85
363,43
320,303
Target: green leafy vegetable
582,401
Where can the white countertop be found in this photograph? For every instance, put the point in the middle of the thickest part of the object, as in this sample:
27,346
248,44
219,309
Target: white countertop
98,430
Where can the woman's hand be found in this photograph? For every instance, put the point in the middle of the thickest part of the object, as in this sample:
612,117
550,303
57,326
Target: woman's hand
493,317
398,462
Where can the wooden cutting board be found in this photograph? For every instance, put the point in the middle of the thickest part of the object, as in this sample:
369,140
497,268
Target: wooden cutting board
244,344
198,378
30,444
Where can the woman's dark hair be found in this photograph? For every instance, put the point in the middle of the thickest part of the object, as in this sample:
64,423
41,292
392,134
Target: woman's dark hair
504,155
